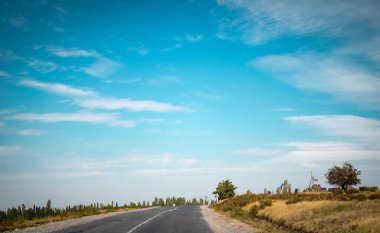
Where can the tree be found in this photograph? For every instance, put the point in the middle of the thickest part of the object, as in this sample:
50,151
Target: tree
344,176
225,189
285,188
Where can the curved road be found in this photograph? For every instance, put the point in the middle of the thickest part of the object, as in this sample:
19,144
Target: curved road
186,219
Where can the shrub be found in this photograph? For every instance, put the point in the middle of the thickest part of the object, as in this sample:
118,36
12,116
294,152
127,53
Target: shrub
253,211
343,197
360,197
351,191
337,191
368,188
264,203
294,200
374,196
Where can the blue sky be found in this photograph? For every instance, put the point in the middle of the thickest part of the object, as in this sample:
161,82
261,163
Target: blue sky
127,100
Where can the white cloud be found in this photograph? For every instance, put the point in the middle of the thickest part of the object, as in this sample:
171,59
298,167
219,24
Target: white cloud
309,152
346,82
342,125
7,150
7,111
57,88
4,74
86,117
133,105
72,52
43,66
103,68
30,132
191,38
259,151
93,100
260,21
140,50
62,117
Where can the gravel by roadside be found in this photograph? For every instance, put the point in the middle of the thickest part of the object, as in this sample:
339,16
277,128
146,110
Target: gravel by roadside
220,223
55,226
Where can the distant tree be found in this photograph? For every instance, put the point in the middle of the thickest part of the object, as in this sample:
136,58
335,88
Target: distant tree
48,207
344,176
225,189
285,188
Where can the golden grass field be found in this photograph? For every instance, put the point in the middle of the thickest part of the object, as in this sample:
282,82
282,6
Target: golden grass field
322,212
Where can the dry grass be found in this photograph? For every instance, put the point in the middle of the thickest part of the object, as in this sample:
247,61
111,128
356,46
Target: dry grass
7,226
326,216
309,212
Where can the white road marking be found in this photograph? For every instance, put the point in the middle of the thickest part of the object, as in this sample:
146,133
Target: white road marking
155,216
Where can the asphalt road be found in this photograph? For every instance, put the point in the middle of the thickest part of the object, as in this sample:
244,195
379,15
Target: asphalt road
186,219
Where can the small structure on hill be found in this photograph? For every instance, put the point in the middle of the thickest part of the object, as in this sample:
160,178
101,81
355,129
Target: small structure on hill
314,185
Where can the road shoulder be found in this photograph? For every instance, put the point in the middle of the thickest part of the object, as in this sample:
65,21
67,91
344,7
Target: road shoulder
220,223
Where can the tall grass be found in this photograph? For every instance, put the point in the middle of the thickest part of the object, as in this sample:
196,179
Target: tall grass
311,212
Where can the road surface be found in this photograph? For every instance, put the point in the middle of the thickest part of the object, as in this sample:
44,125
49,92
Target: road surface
186,219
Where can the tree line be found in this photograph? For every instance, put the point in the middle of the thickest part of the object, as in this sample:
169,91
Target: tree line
345,177
21,212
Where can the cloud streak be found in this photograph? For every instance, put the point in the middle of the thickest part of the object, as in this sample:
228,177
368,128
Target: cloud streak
72,52
84,117
342,125
93,100
349,83
57,88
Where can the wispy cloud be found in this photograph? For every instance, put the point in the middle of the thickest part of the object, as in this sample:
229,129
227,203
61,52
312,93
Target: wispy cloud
2,124
86,117
346,82
283,109
103,68
164,79
4,74
190,38
342,125
7,111
18,21
308,152
30,132
72,52
43,66
93,100
260,21
57,88
7,150
140,50
133,105
255,151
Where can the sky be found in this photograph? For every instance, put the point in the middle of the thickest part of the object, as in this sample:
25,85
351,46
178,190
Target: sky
128,100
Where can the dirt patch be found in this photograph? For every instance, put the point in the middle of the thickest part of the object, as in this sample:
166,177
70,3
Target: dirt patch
220,223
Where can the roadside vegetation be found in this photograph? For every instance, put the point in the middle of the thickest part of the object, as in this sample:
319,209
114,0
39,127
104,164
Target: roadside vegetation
345,210
21,216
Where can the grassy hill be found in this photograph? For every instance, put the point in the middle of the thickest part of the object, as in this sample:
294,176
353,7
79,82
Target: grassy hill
309,212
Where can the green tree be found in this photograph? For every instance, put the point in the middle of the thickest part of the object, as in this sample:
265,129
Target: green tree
225,189
344,176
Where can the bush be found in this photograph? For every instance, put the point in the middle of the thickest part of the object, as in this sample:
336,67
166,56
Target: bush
368,188
264,203
374,196
360,197
253,211
343,197
351,191
294,200
337,191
